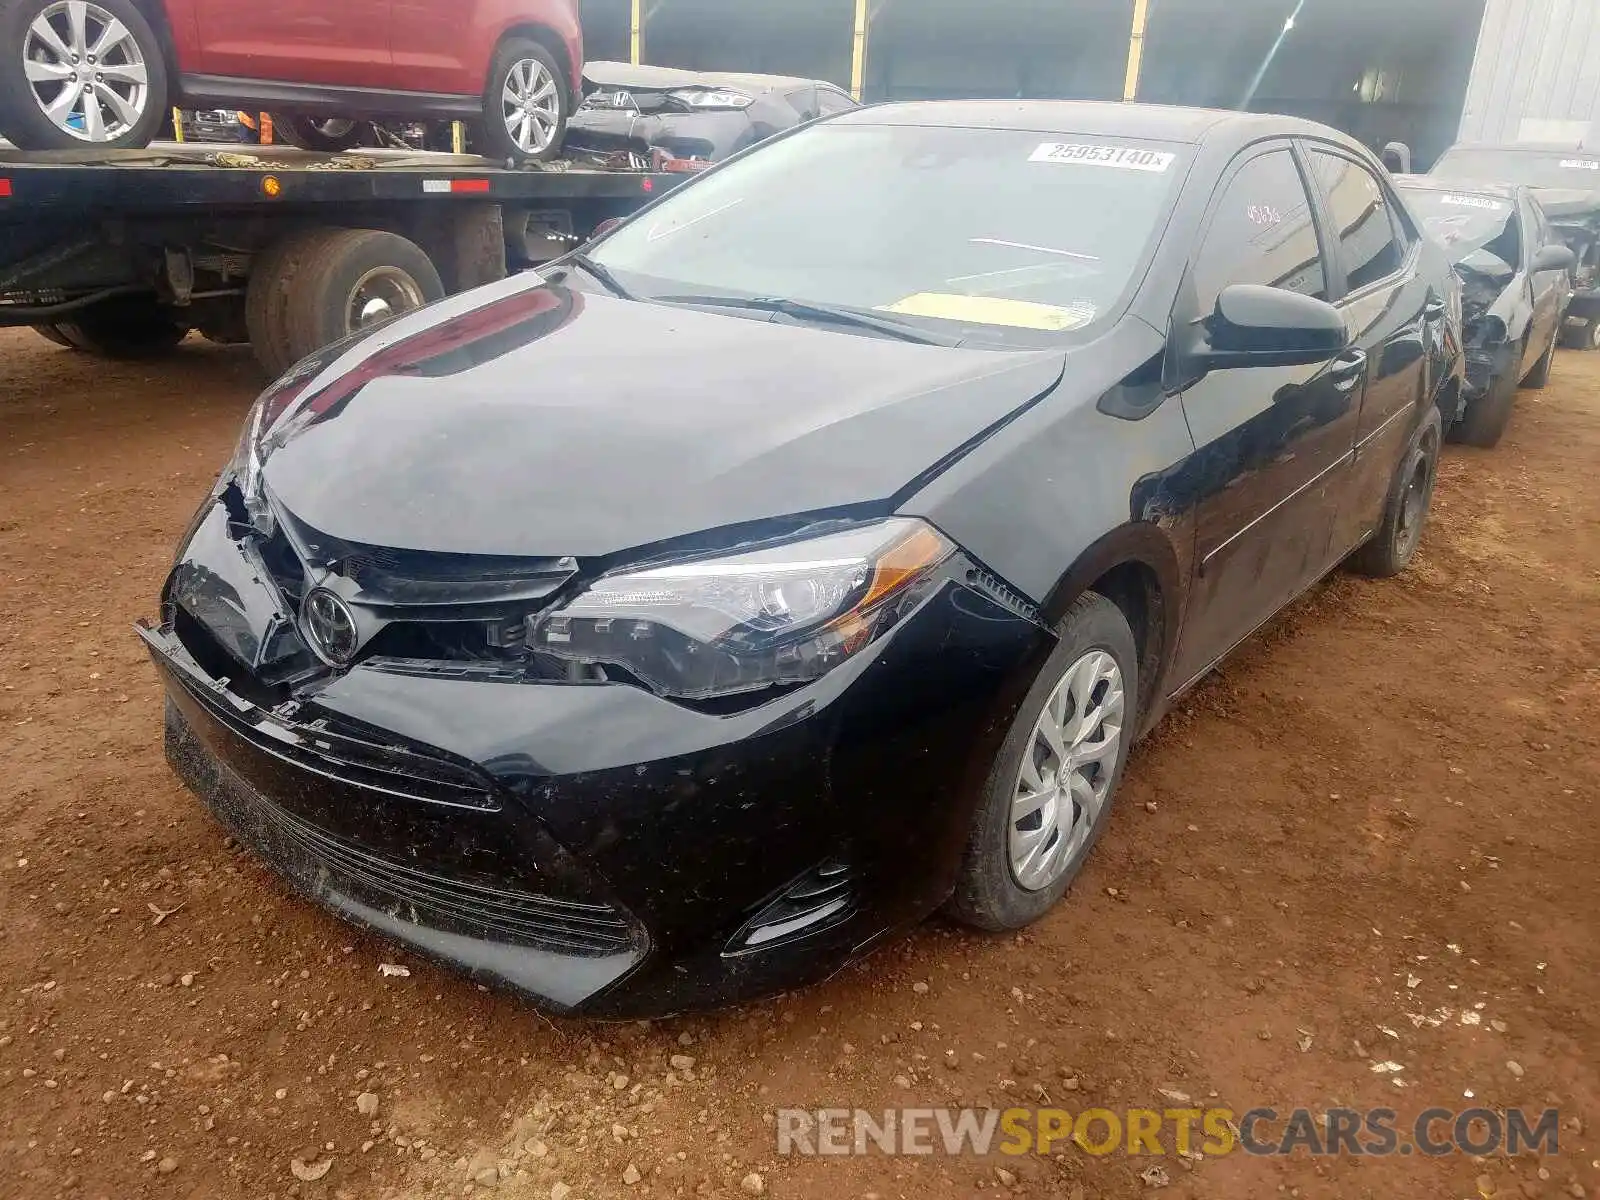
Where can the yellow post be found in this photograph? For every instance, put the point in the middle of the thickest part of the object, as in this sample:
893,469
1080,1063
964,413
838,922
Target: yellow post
858,56
636,33
177,123
458,138
1130,83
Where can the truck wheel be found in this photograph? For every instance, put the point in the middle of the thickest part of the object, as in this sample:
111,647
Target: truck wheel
52,334
1581,335
129,327
267,298
80,74
1487,415
526,105
312,133
355,280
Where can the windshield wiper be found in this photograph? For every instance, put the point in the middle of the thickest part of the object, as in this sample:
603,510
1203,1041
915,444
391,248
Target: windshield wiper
603,274
806,310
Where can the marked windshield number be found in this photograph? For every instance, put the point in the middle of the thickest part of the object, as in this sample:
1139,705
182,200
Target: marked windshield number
1123,158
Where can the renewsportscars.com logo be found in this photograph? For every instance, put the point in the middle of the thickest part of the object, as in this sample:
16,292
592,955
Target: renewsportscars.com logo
1187,1132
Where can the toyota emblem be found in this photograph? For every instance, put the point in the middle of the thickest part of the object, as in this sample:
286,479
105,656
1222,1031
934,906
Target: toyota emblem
330,627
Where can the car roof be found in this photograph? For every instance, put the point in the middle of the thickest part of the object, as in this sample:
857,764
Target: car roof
1433,183
1100,118
620,74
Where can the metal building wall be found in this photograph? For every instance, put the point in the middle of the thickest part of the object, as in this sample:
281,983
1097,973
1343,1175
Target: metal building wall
1536,74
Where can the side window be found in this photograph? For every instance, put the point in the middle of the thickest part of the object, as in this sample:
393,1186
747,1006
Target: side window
1359,208
804,102
1261,231
830,101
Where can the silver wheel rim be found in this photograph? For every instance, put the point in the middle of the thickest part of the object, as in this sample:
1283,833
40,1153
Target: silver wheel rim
380,294
531,103
86,70
1067,770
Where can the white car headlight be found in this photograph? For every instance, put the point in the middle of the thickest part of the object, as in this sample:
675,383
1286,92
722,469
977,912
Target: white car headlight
712,98
720,626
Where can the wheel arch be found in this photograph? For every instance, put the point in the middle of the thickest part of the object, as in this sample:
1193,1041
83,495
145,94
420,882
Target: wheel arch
1137,567
551,41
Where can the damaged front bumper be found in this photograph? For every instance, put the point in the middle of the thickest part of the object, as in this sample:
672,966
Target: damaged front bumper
593,846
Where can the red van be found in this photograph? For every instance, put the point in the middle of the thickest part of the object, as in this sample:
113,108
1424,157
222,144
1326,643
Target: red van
104,73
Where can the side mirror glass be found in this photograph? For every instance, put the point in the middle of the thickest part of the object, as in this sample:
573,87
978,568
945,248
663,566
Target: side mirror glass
1555,257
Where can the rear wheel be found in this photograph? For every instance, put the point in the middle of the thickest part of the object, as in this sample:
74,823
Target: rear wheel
1048,796
267,298
126,327
1581,335
1405,515
80,74
526,103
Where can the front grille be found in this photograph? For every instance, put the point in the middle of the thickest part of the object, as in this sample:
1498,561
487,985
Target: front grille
349,755
322,863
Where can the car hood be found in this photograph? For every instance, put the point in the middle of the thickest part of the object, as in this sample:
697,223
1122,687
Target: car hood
532,419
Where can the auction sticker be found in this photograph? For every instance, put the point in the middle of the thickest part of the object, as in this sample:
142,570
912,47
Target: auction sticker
1474,202
1124,158
1580,164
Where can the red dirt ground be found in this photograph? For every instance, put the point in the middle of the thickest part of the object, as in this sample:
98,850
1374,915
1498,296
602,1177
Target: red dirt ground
1383,807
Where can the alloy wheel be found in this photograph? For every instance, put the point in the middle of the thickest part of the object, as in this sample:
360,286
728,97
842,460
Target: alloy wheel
86,70
380,294
531,104
1067,770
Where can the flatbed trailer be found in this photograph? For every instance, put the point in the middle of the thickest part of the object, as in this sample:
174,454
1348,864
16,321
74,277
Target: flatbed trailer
123,253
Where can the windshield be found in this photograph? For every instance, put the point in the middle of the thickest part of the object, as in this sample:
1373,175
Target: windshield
1463,223
1574,170
984,235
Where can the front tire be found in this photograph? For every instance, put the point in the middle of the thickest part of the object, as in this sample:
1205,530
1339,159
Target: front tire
1049,794
65,83
1487,415
1405,515
525,104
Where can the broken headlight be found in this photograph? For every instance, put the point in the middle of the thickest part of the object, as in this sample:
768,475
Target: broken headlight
778,616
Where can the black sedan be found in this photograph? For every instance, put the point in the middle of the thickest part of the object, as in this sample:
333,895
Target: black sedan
662,117
677,625
1516,280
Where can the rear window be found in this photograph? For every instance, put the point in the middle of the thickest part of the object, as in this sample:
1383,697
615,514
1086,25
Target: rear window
1574,170
1464,222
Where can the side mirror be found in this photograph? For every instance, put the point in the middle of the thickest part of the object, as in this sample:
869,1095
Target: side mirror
1555,257
1258,326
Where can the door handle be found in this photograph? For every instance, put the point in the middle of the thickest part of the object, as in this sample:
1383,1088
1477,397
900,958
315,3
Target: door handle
1348,369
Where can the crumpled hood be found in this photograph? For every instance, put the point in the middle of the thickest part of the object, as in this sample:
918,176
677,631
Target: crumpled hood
533,419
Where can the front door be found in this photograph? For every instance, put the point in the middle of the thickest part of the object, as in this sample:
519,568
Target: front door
333,44
1274,443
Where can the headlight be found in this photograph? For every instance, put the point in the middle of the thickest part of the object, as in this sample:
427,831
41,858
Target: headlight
720,626
712,98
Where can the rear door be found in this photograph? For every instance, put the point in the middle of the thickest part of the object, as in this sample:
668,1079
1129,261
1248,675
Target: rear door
1274,442
1388,309
331,43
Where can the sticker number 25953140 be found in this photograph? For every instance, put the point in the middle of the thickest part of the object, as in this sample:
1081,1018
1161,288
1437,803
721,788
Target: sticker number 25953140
1125,158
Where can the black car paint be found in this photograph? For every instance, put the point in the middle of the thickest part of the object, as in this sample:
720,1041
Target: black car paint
656,121
1204,504
1510,316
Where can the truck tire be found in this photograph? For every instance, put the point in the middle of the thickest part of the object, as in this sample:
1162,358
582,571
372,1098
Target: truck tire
269,293
127,327
42,102
315,133
522,68
357,279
